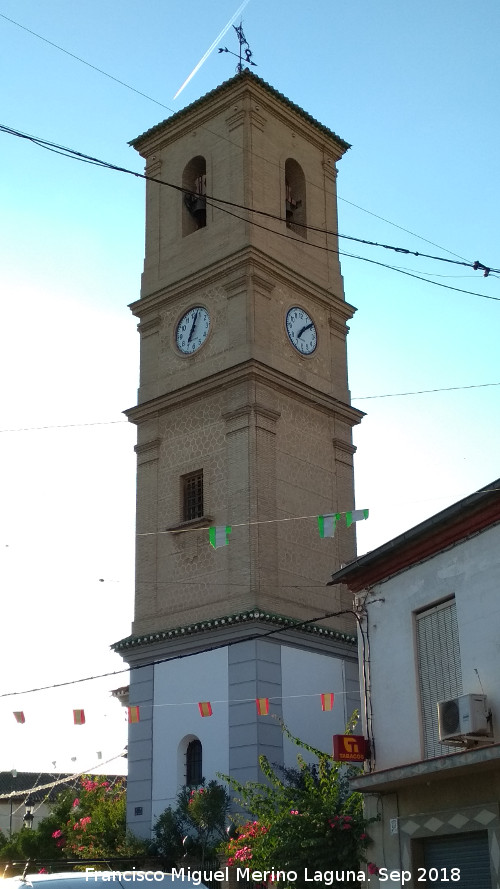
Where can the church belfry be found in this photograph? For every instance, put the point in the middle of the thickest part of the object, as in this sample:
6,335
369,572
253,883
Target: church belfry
244,422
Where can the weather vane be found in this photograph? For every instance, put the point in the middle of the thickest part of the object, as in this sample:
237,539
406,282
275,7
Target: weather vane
247,52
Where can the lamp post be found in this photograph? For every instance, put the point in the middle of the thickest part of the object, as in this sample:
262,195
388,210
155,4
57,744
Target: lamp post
28,814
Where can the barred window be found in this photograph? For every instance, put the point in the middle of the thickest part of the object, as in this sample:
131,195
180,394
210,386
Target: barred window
194,763
193,495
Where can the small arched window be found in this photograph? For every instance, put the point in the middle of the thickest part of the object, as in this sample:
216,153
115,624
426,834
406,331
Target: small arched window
194,184
194,764
295,197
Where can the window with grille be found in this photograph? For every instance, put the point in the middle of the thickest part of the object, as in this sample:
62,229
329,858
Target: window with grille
194,772
439,668
193,496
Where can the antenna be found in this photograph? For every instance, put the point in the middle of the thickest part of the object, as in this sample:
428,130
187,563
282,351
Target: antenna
247,51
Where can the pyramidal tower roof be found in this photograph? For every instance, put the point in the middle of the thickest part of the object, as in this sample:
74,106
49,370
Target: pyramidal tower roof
250,77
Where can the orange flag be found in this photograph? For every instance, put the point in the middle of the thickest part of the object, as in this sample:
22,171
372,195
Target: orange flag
205,708
79,717
262,706
133,714
327,701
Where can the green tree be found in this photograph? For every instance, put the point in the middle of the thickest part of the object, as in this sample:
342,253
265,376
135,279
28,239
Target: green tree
85,823
302,819
196,827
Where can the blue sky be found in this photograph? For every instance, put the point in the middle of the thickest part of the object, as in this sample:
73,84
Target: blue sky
414,89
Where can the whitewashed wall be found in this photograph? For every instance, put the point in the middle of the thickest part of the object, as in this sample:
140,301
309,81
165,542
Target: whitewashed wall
471,572
179,685
305,676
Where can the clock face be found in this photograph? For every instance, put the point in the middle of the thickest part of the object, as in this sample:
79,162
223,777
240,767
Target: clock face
301,330
192,330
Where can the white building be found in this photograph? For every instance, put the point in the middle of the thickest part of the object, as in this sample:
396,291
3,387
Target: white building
429,615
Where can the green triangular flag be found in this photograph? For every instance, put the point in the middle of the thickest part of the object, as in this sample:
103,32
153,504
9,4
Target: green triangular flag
219,535
356,515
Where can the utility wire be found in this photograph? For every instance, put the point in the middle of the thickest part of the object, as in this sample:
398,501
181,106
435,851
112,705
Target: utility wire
83,62
286,624
204,127
353,398
72,153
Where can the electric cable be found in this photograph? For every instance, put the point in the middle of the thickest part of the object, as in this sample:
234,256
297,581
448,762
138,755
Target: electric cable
211,132
216,202
287,624
353,398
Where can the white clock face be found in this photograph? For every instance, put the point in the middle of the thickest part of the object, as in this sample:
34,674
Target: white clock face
301,330
192,330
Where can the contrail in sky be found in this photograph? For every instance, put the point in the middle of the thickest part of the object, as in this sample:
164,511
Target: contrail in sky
212,47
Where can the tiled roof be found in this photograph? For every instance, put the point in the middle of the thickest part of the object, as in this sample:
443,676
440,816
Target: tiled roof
35,784
26,783
244,75
234,620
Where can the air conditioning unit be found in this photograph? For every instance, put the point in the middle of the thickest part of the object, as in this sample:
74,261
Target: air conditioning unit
463,717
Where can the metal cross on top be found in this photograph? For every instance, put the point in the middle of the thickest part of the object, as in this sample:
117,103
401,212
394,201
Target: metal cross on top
247,52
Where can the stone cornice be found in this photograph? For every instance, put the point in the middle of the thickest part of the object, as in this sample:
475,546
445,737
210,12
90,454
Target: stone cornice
231,271
248,371
254,623
204,109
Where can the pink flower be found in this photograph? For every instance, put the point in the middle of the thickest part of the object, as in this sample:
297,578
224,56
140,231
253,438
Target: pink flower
43,870
57,833
76,802
362,836
372,868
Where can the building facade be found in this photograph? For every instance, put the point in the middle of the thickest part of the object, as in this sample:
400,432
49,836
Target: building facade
244,425
429,614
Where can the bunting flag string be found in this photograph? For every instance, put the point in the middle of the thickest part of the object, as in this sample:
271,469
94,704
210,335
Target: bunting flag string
205,708
327,523
219,535
262,706
327,701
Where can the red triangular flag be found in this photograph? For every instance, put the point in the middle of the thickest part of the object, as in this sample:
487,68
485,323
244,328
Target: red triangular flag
327,701
79,717
205,708
262,706
133,714
19,716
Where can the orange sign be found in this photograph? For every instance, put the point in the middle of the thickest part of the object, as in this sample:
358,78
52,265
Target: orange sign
349,748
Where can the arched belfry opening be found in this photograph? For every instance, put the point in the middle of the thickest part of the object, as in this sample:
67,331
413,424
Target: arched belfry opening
194,184
295,197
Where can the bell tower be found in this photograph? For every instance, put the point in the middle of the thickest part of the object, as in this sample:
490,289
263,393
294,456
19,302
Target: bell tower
243,422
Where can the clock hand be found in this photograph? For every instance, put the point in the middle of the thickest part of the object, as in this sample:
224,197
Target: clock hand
193,327
307,327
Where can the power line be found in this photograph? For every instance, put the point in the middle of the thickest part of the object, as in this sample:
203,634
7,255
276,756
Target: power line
220,136
424,391
287,623
83,62
81,156
353,398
